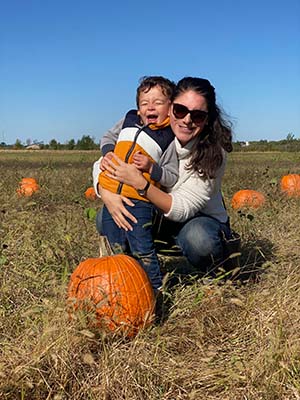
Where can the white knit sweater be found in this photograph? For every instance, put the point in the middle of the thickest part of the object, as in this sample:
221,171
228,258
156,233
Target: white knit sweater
192,194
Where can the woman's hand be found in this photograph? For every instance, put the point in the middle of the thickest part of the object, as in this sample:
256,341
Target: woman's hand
115,205
129,174
104,159
126,173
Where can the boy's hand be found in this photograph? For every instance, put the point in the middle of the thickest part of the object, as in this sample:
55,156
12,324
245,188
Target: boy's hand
103,162
142,162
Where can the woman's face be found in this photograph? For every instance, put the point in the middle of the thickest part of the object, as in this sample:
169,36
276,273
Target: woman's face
184,128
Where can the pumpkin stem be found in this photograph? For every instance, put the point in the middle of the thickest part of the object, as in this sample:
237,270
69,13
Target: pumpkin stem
105,247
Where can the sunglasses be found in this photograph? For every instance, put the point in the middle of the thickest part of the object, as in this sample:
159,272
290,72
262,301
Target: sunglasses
197,116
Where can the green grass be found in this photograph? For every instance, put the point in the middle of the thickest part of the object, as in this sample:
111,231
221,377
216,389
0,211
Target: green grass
234,338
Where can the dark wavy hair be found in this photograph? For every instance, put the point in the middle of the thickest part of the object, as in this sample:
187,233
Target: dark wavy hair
148,82
207,154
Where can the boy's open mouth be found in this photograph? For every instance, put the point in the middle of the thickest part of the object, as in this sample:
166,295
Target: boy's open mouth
152,118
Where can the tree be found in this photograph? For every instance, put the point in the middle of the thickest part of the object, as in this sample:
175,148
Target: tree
18,145
290,137
70,144
86,143
53,145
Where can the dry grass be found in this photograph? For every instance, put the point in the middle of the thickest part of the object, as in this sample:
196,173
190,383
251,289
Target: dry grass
234,338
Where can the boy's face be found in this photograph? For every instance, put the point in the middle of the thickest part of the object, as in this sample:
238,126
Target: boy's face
154,106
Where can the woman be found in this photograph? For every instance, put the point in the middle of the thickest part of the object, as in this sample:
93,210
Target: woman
194,211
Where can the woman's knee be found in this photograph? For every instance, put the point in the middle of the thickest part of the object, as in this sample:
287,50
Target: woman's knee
200,239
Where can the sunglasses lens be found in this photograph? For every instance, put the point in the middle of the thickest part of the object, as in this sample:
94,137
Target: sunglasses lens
197,116
179,110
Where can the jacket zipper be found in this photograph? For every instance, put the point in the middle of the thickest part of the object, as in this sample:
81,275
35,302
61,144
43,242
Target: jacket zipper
128,154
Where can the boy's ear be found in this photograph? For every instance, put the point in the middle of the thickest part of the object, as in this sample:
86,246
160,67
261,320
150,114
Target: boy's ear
138,112
169,111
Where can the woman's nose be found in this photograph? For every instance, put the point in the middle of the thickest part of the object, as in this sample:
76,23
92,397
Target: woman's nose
187,119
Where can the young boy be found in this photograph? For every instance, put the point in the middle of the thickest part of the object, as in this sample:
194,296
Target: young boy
145,139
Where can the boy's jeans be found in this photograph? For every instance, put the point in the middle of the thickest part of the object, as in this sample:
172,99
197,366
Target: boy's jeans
138,242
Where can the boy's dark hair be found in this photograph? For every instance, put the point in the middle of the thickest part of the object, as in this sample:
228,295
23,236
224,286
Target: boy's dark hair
148,82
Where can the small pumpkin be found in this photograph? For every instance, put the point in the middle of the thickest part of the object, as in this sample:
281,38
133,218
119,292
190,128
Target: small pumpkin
27,187
115,291
27,190
90,193
290,185
28,181
247,198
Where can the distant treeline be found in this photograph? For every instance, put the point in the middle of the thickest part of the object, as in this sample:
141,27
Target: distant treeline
291,144
85,143
88,143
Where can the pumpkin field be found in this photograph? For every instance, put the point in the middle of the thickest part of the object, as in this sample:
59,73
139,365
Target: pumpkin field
234,337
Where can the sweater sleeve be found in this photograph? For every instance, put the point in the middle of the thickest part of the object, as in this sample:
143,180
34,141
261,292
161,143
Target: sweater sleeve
166,170
189,198
95,174
110,138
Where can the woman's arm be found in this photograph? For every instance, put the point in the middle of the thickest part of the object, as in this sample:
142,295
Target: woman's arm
129,174
114,202
184,202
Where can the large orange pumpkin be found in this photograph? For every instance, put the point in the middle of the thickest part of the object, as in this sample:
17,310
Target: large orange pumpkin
290,185
27,187
247,198
90,193
116,292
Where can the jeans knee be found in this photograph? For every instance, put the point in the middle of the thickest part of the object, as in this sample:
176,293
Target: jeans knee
195,243
200,241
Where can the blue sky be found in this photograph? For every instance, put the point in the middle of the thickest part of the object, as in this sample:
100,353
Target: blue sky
71,68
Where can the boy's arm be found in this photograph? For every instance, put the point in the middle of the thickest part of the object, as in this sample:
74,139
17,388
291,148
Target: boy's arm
110,138
166,170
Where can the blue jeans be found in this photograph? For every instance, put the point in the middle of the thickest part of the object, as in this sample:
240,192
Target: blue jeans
200,239
138,242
